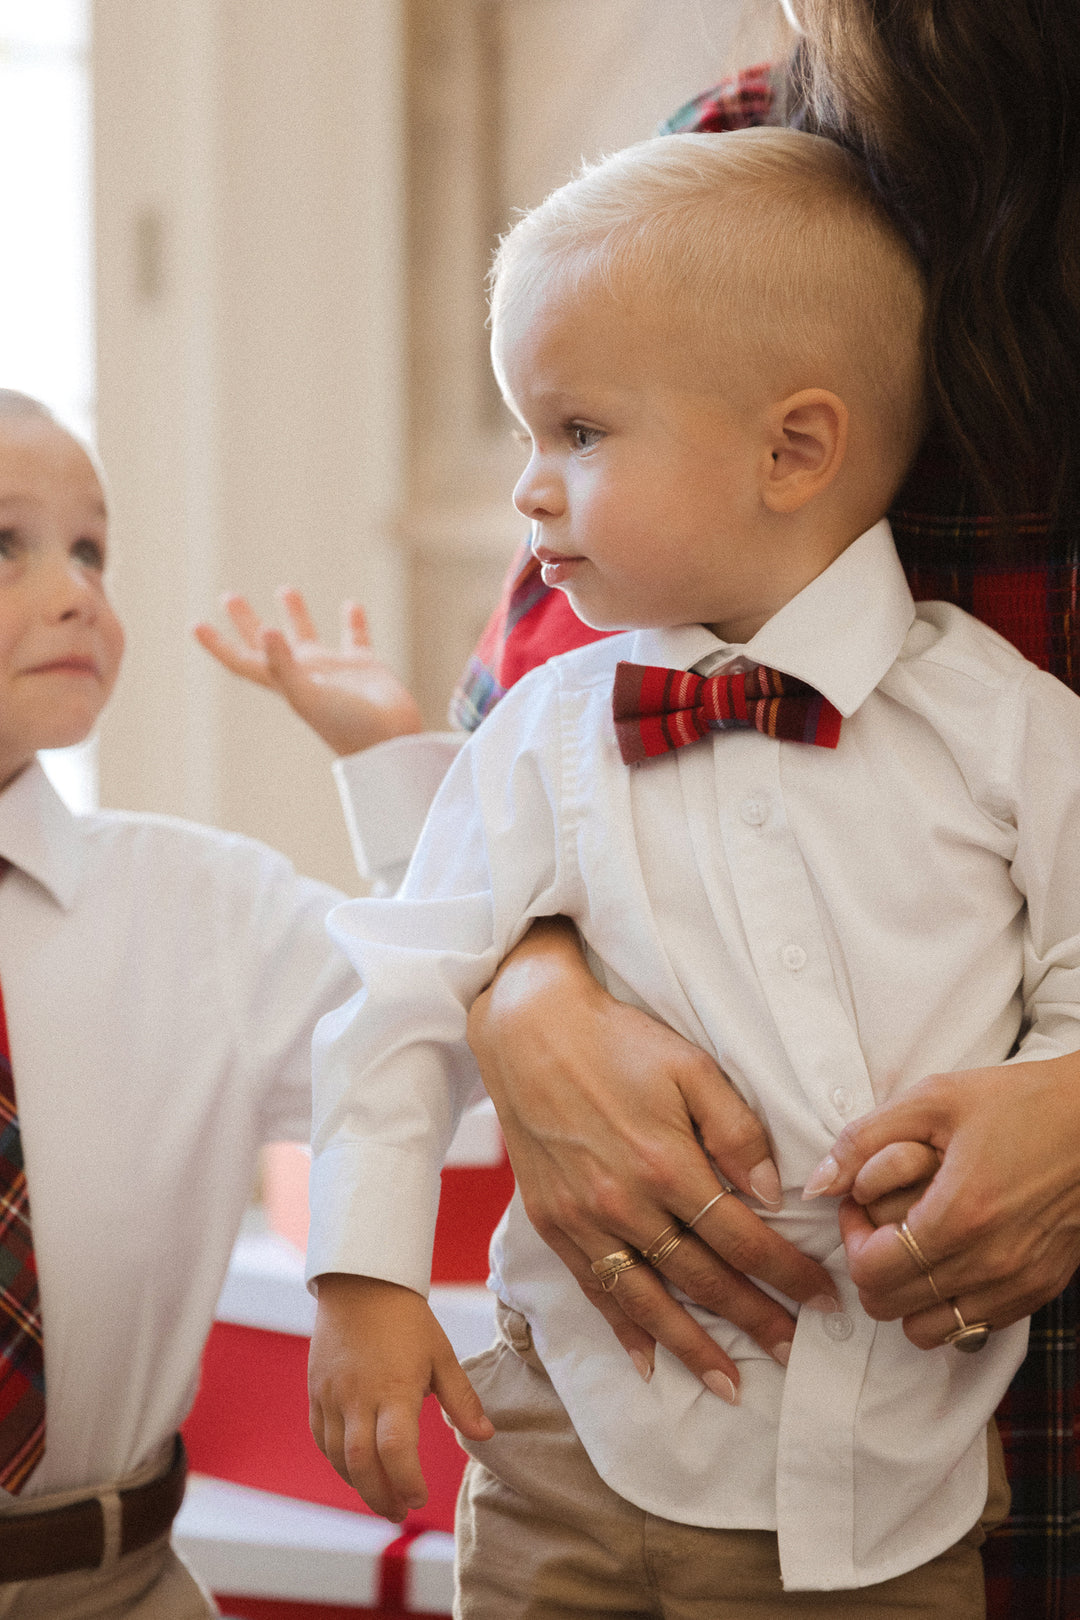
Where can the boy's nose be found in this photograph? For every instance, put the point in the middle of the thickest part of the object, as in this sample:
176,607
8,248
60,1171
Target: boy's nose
538,492
66,592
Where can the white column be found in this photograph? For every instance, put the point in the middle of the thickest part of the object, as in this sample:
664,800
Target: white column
250,222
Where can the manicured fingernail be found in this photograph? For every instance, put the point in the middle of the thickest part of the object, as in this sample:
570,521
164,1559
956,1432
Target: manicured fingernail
643,1364
822,1178
782,1353
827,1304
765,1184
721,1385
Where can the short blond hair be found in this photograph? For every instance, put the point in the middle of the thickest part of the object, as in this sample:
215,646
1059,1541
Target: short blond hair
768,244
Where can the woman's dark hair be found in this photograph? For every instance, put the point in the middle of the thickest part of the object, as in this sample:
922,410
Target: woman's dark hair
967,113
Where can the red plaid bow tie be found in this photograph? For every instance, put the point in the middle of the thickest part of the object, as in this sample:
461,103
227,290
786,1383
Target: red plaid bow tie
657,710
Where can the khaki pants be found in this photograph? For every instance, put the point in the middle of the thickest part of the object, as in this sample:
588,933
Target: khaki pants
541,1536
152,1583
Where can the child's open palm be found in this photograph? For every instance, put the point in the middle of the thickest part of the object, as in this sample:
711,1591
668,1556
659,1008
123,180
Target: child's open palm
349,696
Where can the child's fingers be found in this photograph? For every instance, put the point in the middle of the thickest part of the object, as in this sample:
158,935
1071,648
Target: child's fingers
296,611
238,661
399,1485
245,620
897,1165
354,628
284,671
450,1383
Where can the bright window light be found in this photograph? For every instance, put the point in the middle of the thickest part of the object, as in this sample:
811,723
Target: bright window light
46,286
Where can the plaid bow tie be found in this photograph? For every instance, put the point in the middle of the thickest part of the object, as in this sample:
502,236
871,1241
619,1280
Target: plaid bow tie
657,710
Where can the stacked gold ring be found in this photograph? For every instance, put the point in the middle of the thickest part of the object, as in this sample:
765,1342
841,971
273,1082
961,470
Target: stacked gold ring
662,1246
966,1336
608,1270
907,1238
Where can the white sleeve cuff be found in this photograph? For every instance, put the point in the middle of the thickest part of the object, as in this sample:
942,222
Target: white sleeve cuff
386,792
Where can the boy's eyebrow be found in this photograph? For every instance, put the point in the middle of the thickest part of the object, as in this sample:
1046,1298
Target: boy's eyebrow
97,507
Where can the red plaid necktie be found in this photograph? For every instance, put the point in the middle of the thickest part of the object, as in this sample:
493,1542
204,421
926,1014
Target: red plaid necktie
657,710
22,1361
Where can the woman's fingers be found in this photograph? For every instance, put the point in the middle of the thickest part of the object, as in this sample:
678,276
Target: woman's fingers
747,1245
730,1132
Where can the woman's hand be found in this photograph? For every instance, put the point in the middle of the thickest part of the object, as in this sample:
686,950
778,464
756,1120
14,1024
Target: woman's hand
1000,1220
351,699
598,1104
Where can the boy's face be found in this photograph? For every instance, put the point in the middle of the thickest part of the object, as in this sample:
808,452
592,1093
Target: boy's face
60,641
643,481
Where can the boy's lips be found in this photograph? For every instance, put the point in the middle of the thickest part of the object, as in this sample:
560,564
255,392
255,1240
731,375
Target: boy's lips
555,567
71,665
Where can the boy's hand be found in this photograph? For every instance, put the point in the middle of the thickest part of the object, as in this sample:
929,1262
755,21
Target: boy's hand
377,1350
351,699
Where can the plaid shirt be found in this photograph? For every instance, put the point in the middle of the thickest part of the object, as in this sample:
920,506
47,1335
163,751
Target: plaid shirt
1023,579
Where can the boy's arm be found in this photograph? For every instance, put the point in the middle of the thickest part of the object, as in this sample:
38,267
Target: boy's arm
377,1350
393,1073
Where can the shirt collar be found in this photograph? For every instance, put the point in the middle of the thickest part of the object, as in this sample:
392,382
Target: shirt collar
840,634
40,836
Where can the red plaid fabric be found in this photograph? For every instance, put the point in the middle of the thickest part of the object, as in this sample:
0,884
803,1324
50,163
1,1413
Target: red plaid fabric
657,710
22,1363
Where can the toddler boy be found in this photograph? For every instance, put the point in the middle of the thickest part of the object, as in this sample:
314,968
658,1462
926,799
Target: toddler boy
161,983
846,862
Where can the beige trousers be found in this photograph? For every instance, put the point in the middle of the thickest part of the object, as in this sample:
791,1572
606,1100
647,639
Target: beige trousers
153,1583
540,1535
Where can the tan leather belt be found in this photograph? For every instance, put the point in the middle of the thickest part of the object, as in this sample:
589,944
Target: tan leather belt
59,1540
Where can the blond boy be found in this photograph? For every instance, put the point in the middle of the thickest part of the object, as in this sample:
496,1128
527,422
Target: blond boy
714,349
160,983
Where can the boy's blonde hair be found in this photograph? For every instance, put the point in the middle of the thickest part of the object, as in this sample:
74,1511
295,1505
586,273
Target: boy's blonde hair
769,248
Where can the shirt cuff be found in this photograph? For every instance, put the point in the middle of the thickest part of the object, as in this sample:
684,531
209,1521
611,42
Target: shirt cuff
373,1211
386,792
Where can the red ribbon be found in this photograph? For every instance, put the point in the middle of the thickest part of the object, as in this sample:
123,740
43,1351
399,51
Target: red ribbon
394,1564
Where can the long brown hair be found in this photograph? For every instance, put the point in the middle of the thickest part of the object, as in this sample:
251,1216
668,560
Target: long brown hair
968,115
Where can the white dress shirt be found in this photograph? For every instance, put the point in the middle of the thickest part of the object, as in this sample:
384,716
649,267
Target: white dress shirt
831,925
161,982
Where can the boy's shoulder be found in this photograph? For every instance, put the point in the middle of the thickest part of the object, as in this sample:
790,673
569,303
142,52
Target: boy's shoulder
204,864
945,637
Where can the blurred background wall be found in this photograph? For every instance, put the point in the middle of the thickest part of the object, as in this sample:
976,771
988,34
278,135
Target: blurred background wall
290,215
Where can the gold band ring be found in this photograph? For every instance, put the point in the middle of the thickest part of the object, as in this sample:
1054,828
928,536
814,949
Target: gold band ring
608,1270
907,1238
929,1275
662,1246
704,1210
967,1336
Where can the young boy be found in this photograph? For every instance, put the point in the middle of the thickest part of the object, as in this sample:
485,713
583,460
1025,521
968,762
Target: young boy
861,869
161,983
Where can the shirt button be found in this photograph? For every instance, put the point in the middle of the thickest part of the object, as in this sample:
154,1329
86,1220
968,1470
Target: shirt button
754,812
842,1100
838,1325
793,958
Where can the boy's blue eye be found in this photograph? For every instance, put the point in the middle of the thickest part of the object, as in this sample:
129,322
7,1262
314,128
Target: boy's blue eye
582,437
89,552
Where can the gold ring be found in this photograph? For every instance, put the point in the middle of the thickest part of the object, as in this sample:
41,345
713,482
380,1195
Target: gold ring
929,1275
608,1270
907,1238
662,1246
967,1336
705,1209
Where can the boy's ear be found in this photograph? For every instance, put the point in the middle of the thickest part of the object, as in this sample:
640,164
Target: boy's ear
807,435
